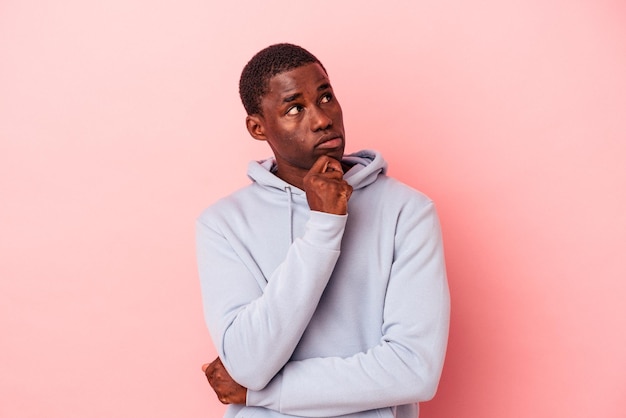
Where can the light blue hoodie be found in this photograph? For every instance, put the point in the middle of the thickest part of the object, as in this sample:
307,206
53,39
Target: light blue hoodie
323,315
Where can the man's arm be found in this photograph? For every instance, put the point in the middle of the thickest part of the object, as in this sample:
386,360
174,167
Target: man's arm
256,329
406,365
404,368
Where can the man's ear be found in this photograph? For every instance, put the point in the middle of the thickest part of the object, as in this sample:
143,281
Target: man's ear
254,123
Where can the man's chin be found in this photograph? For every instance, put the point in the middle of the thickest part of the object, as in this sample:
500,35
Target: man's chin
336,153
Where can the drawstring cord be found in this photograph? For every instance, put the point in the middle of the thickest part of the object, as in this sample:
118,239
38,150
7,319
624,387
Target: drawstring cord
290,204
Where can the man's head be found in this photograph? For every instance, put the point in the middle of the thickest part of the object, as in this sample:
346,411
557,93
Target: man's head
292,106
273,60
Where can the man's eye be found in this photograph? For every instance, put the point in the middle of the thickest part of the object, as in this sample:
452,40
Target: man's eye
294,110
326,98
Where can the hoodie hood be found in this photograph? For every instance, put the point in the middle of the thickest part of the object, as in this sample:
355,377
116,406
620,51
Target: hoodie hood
366,166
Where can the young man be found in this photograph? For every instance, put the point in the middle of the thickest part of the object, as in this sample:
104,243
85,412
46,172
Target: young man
323,281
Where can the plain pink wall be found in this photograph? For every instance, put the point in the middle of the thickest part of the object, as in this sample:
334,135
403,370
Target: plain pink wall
120,122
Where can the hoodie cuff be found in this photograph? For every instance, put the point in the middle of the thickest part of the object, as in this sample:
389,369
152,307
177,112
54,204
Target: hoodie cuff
268,397
325,230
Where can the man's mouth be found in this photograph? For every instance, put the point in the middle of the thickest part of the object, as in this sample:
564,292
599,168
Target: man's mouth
331,143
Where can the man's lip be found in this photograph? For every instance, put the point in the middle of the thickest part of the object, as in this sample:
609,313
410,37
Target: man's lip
331,142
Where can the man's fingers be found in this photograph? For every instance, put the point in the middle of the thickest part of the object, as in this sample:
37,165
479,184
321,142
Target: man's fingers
326,190
348,192
215,363
325,164
319,166
333,165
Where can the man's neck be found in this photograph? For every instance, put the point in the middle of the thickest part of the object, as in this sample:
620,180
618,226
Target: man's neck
292,176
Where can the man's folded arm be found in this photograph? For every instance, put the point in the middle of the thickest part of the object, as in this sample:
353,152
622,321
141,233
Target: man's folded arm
256,325
406,365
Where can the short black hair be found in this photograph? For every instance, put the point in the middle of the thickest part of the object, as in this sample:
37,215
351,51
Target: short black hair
273,60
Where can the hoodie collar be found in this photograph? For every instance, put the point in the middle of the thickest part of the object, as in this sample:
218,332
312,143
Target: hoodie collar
366,166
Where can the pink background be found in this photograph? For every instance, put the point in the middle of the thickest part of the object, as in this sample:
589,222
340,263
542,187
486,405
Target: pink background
120,121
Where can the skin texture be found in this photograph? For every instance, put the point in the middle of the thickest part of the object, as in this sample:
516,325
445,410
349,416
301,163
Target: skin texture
302,122
227,390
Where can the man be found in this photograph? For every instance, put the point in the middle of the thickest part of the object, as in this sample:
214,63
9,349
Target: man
323,281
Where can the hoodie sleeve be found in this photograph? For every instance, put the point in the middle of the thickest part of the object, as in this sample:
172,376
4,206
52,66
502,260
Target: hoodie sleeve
406,365
255,327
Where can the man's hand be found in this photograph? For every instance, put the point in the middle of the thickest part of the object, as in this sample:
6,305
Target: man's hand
227,390
326,190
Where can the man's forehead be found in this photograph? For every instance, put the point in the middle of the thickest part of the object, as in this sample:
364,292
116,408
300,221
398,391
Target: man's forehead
304,77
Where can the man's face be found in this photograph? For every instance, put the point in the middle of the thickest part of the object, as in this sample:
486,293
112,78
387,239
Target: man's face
301,120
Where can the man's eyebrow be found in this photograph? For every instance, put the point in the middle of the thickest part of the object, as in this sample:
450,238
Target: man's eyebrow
323,86
291,98
295,96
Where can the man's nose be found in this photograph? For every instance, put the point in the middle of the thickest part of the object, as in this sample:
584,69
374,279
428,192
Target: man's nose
320,119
